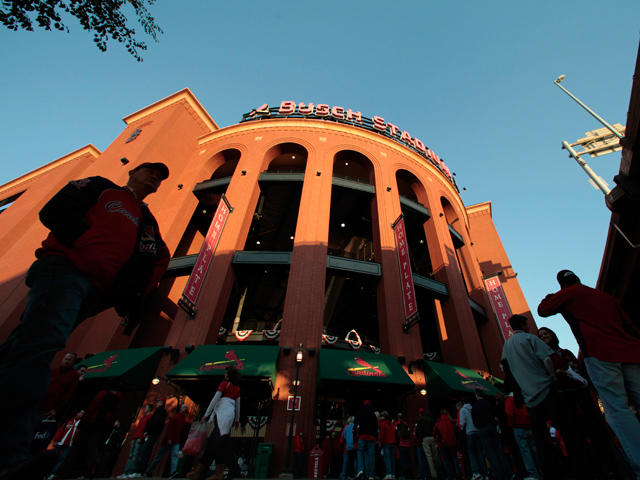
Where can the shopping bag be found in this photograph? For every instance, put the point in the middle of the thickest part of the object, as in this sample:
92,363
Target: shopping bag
197,439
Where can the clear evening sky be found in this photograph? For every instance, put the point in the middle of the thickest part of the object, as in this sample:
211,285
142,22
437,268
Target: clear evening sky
473,80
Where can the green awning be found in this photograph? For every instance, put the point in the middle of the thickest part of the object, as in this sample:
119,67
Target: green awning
361,366
132,368
449,379
212,360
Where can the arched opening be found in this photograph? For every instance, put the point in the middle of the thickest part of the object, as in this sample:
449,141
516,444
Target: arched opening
276,214
455,231
351,296
209,192
415,216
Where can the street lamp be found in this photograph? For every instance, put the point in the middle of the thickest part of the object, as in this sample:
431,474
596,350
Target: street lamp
558,80
299,358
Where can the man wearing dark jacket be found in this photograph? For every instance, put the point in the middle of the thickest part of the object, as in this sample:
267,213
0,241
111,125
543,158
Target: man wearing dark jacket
104,250
155,426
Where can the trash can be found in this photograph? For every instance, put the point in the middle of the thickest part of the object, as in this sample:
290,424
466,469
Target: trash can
263,460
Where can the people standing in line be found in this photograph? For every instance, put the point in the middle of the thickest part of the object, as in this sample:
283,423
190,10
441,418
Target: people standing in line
170,442
348,442
367,428
610,343
444,432
104,250
527,360
483,413
387,439
63,441
137,441
518,419
152,432
474,444
403,439
224,413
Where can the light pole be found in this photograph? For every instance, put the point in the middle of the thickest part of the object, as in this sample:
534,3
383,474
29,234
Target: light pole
299,358
558,80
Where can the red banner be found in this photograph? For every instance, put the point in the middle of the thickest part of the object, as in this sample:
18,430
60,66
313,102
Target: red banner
499,304
199,272
406,277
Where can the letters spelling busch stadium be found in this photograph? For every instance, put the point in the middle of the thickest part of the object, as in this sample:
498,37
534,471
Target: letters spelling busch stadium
289,108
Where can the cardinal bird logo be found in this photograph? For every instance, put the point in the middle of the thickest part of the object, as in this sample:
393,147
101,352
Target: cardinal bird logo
470,383
365,370
108,363
232,360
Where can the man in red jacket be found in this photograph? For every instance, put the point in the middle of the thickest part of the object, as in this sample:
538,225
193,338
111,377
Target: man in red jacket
64,380
104,249
137,440
610,343
170,442
444,432
63,441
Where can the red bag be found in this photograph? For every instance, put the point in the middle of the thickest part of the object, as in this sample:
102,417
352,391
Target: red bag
197,439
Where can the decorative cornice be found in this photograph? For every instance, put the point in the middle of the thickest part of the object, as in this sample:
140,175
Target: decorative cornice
86,150
480,208
184,95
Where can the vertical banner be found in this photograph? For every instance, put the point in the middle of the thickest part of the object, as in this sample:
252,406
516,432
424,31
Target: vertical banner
198,274
499,304
406,277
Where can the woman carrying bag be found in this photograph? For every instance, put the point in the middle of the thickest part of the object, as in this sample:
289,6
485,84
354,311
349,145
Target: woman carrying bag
224,412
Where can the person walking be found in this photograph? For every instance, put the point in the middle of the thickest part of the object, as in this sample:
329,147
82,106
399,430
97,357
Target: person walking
483,413
610,343
367,428
137,441
170,442
63,441
518,419
104,249
403,439
424,433
348,441
388,442
527,363
474,444
444,432
152,432
224,412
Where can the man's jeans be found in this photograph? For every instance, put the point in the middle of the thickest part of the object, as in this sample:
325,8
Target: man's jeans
348,464
527,446
492,446
618,384
57,303
476,455
164,449
134,453
431,452
366,457
389,452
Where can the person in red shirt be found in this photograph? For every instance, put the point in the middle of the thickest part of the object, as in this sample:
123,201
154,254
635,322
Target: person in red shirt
170,441
137,439
403,438
444,432
387,437
518,419
298,456
63,440
610,343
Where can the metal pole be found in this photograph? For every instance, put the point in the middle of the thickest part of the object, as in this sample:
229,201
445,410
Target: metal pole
592,175
293,416
594,114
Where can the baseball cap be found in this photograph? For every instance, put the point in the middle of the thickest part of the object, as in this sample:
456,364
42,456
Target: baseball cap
161,167
565,276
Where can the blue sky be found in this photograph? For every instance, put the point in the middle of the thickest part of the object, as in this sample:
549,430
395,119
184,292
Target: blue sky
473,80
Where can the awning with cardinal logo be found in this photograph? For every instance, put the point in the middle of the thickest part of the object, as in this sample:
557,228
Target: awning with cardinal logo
131,369
361,366
449,379
212,360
